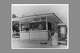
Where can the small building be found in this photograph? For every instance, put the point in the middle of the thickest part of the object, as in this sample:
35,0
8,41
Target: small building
40,27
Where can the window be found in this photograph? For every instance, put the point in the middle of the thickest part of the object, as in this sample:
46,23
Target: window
15,26
36,19
43,18
38,26
49,26
25,27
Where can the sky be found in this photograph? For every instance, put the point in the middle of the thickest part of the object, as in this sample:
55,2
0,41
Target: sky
61,10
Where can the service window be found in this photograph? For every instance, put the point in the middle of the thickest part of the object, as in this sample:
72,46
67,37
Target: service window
25,26
38,26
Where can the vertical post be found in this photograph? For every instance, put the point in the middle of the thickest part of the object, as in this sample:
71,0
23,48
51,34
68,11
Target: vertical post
20,28
46,23
29,31
40,18
11,28
47,27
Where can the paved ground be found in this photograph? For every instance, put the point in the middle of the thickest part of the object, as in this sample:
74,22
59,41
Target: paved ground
32,44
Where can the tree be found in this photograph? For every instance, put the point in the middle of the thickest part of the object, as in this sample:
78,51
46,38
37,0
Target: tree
14,16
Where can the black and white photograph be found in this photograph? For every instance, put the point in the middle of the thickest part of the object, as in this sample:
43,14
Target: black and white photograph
40,26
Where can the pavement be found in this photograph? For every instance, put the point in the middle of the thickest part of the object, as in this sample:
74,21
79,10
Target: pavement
25,43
